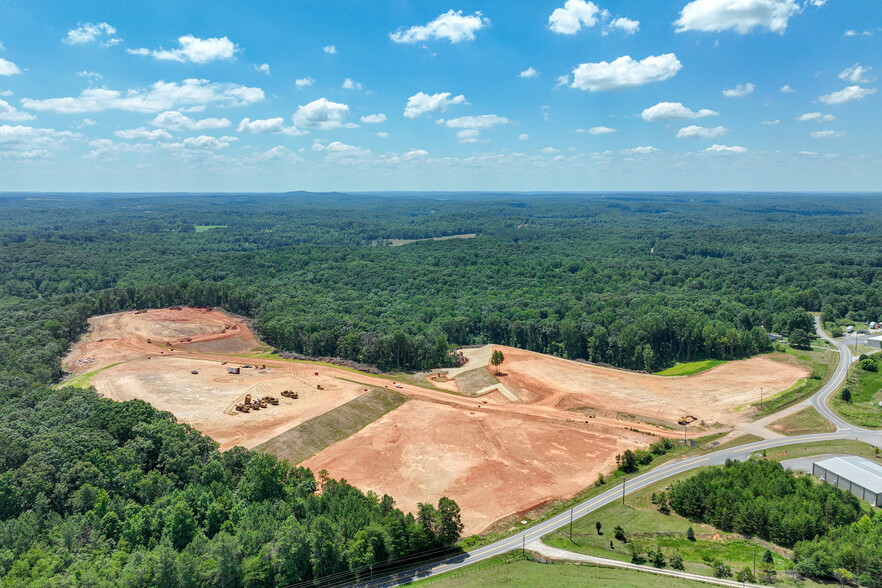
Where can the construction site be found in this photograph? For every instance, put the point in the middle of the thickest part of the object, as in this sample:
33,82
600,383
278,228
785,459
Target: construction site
498,441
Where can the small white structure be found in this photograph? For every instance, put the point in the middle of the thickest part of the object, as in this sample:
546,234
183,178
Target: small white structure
874,342
849,329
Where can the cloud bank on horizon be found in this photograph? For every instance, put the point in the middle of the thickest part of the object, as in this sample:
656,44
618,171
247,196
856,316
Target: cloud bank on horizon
553,95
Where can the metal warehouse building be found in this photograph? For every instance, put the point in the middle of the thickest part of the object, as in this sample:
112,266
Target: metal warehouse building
861,477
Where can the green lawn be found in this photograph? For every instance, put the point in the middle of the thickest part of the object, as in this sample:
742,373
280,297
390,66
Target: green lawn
203,228
804,422
693,367
866,393
513,569
83,381
848,446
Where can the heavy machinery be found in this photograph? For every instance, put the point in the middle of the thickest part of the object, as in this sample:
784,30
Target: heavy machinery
243,407
685,420
271,400
290,394
319,387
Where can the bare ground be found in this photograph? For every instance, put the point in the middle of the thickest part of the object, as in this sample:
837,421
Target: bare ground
560,425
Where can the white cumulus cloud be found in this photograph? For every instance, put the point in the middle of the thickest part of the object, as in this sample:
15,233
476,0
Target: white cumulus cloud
160,96
816,116
89,32
849,94
786,89
739,91
451,25
575,14
725,149
857,74
415,154
523,137
645,150
626,25
194,50
372,119
172,120
264,68
267,125
321,114
304,82
600,130
471,126
330,49
625,72
701,132
827,134
204,142
739,15
421,103
528,73
143,134
674,111
348,84
7,68
9,112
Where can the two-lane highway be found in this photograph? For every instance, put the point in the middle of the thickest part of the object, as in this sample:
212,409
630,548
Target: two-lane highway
637,483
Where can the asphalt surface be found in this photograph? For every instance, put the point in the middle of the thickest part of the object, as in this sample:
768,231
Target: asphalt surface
520,540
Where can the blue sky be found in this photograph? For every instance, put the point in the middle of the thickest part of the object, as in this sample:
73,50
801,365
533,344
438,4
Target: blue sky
519,95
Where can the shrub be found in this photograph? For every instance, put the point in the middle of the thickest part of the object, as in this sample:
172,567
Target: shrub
845,394
869,365
676,561
721,570
690,534
619,533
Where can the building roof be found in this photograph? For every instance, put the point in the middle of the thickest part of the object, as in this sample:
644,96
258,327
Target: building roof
876,338
858,470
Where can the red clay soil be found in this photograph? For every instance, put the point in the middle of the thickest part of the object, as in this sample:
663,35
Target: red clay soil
493,456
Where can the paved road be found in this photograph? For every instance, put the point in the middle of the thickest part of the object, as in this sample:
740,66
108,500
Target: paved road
844,430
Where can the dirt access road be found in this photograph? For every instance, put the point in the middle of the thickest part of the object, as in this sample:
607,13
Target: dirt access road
496,457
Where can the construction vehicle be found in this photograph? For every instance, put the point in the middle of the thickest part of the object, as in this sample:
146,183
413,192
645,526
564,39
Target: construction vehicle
290,394
271,400
685,420
248,399
194,372
243,407
149,341
319,387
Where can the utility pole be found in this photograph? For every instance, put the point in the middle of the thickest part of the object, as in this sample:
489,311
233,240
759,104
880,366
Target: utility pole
624,479
571,524
761,397
524,545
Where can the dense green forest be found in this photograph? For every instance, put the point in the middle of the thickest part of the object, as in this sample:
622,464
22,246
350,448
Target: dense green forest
835,537
98,493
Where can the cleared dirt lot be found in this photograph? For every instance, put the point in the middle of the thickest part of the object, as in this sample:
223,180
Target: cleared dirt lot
711,396
547,434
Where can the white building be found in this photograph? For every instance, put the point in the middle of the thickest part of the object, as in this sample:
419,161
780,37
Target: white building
874,342
860,476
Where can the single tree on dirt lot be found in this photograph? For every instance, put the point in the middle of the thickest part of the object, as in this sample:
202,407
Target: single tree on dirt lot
496,359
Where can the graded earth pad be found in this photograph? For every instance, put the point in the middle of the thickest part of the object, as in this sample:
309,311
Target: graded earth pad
493,463
712,396
545,432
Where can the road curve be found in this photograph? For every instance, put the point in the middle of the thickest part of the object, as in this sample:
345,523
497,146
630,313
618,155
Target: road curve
844,430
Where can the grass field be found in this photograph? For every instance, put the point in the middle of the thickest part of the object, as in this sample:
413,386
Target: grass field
649,529
400,242
866,393
693,367
83,381
804,422
307,439
514,569
848,446
821,363
203,228
474,380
